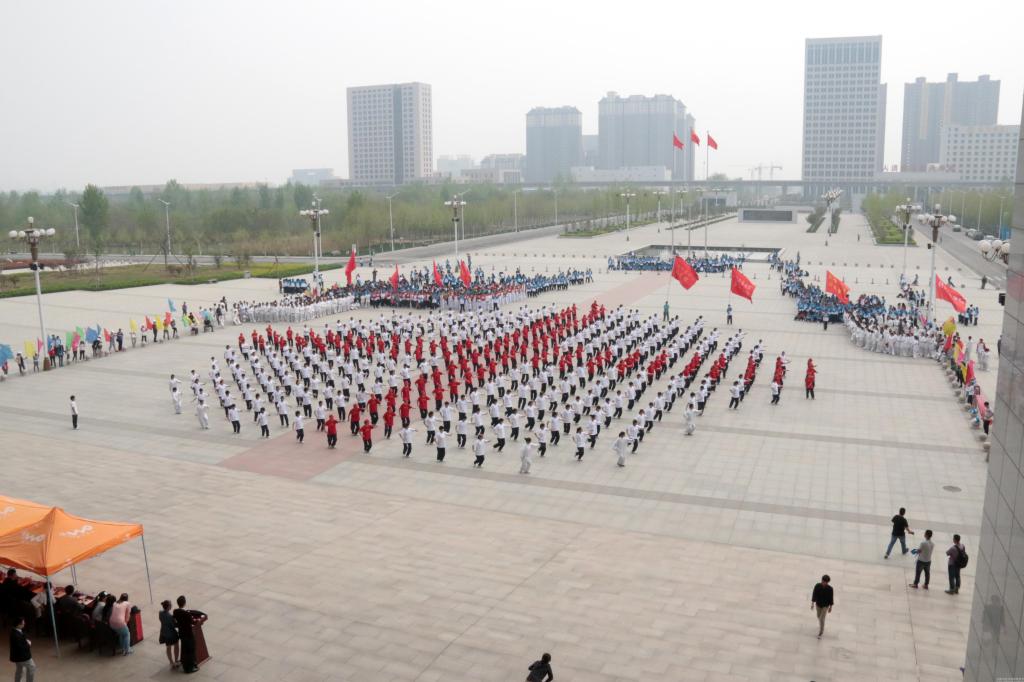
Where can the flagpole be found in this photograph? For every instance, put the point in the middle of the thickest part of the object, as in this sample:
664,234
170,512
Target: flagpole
668,284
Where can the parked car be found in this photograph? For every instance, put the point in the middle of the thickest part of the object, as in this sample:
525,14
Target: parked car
990,237
956,228
970,233
977,236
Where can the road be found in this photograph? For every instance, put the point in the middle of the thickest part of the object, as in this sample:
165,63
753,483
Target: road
965,250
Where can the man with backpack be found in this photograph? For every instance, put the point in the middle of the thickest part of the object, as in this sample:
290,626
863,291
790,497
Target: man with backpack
957,560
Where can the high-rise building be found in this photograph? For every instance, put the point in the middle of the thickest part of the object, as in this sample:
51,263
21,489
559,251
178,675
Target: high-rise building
591,150
503,162
995,642
637,131
311,177
980,153
389,133
844,112
554,143
928,107
453,166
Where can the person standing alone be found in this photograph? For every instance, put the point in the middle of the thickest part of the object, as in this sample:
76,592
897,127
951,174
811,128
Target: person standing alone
924,561
957,554
900,527
822,602
74,413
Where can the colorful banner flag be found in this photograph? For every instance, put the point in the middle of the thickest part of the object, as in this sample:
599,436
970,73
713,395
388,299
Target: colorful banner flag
394,279
676,142
350,266
170,306
437,276
834,285
683,273
5,353
693,137
465,275
132,326
711,142
947,293
741,286
90,335
30,349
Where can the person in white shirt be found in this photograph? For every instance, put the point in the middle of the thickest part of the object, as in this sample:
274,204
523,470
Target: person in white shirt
541,434
321,415
736,392
236,425
499,434
176,399
405,434
619,446
282,411
580,441
262,419
202,413
430,424
593,429
513,422
633,435
480,450
461,430
442,443
524,456
690,415
299,431
74,413
775,392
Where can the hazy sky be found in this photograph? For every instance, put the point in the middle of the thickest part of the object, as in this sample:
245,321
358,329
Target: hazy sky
208,91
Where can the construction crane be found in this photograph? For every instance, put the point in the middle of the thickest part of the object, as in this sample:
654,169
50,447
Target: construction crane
761,168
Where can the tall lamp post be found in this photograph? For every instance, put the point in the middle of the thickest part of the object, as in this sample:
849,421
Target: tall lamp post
906,212
554,192
32,235
627,196
659,193
455,203
515,210
167,219
391,219
78,243
314,215
935,220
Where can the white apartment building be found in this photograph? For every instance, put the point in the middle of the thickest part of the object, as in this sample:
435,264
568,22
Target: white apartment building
390,139
980,153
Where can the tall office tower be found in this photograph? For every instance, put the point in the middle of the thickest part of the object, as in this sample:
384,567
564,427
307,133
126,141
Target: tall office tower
995,643
637,131
980,153
844,112
554,143
930,107
389,133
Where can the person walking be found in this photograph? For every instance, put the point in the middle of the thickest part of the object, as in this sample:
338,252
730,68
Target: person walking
924,560
900,528
21,652
479,450
957,554
540,671
822,601
74,413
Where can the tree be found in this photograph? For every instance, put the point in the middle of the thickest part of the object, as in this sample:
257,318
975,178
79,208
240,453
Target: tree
94,210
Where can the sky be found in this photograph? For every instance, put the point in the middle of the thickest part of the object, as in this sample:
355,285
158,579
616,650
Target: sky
138,92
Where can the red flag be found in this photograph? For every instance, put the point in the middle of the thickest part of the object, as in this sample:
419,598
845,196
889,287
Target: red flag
711,142
437,276
676,142
693,137
106,335
39,345
834,285
394,279
351,266
464,274
948,293
148,324
741,286
167,319
683,273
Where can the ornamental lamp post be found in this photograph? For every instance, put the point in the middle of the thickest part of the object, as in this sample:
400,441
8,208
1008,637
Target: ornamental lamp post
906,212
935,220
32,235
627,196
314,214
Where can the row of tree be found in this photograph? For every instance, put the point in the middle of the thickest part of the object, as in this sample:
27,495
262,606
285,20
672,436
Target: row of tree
265,220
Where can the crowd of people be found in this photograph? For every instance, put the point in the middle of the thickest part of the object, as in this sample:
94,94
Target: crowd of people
485,378
700,263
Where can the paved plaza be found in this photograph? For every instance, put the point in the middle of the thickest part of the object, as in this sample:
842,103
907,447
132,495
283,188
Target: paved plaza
694,562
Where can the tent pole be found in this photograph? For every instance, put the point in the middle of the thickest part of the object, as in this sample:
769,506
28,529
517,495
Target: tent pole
145,558
74,575
53,618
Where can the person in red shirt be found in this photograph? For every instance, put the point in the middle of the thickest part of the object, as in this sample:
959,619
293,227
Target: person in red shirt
367,431
422,403
403,412
438,397
332,431
371,407
353,418
389,421
809,380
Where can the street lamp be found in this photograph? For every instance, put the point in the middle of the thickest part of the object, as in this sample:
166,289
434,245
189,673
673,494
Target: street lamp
830,197
554,192
32,235
659,193
515,210
906,212
314,215
628,196
167,218
78,243
455,203
997,248
935,220
391,219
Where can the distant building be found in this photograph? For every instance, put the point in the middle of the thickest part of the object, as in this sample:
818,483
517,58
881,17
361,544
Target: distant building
591,150
637,131
453,166
554,143
311,177
844,111
494,176
980,153
640,174
390,138
928,107
504,162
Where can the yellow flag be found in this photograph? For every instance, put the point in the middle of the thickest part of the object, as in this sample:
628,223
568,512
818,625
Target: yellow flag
949,327
159,324
30,349
132,326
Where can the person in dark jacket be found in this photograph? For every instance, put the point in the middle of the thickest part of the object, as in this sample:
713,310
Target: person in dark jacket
183,619
540,671
21,653
822,601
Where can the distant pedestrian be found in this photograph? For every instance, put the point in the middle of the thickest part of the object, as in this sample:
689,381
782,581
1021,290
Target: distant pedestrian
822,601
74,413
900,528
21,653
728,314
525,456
300,432
540,671
924,560
957,554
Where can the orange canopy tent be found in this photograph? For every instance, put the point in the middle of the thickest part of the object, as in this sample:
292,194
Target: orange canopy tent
46,540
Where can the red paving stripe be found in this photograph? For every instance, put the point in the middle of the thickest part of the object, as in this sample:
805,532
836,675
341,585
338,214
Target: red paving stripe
633,290
282,456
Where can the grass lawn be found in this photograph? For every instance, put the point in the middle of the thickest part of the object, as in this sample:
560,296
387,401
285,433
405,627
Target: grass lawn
889,234
123,277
